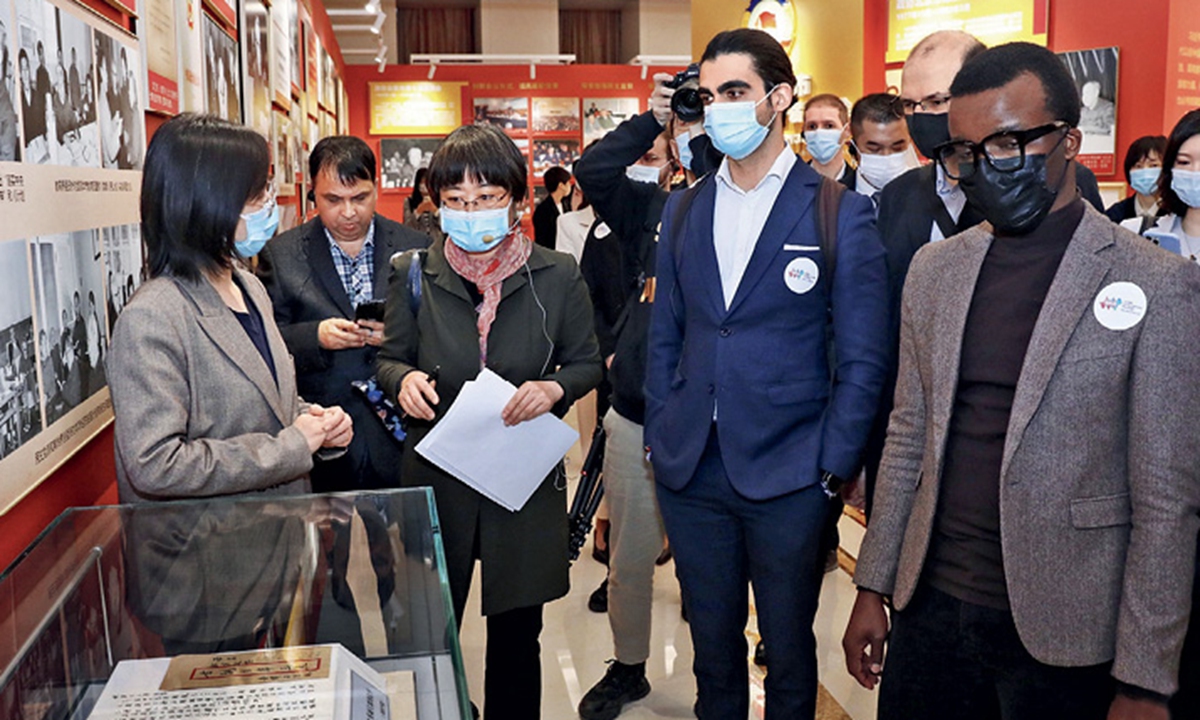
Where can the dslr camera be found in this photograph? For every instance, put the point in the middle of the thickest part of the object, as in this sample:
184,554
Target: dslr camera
686,102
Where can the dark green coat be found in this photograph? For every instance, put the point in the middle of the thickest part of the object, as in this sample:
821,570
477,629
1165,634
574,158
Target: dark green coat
543,330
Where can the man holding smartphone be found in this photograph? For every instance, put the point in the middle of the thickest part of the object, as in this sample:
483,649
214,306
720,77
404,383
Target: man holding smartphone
327,279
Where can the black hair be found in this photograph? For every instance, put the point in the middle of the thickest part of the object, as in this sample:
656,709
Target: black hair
200,172
998,66
769,59
555,177
349,157
22,55
417,196
880,108
481,152
1184,130
1141,148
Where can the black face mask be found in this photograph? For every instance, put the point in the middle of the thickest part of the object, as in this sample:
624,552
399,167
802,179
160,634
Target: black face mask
928,130
1015,203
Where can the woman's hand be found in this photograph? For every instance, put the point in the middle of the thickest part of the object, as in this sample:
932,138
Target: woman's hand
417,393
339,428
313,428
532,399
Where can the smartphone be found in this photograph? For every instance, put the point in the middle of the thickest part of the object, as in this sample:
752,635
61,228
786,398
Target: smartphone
370,310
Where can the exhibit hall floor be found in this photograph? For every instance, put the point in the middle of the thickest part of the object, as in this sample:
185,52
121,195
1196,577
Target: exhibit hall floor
576,643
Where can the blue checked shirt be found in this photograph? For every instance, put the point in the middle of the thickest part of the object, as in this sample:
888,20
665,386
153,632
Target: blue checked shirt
356,273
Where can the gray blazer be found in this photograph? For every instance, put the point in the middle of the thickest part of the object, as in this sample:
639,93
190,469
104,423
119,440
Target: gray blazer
197,411
1100,479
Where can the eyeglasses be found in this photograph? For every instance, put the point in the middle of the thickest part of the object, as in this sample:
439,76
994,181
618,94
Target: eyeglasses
486,201
268,200
1004,151
931,104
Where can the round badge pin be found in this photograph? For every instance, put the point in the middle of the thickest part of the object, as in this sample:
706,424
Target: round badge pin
602,231
1120,305
801,275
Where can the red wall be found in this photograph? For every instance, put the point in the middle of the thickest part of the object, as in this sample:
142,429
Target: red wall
1138,28
551,81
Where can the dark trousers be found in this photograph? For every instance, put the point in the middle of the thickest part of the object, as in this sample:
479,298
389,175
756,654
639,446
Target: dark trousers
512,680
1186,703
721,540
951,659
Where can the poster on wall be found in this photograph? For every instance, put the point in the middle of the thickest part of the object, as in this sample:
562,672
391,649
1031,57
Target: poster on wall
556,115
221,72
58,108
295,42
508,113
224,9
79,80
281,56
256,79
400,158
119,107
311,74
414,108
1183,63
159,42
994,22
1095,74
284,152
123,266
10,97
193,97
602,115
548,153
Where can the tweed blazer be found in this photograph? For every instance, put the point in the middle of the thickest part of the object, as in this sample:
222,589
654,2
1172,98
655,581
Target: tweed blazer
197,411
1100,477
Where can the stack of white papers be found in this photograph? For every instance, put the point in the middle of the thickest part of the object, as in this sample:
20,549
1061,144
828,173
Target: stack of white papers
505,464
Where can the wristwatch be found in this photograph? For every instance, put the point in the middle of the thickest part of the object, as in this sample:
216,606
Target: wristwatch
831,484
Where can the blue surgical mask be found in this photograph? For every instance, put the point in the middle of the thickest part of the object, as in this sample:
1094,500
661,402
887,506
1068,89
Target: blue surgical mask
823,144
643,173
1186,184
734,126
1145,180
260,227
476,230
682,141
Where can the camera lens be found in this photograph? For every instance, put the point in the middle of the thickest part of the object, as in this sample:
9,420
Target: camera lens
687,105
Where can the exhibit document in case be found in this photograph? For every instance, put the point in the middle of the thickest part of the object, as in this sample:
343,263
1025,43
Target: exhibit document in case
314,682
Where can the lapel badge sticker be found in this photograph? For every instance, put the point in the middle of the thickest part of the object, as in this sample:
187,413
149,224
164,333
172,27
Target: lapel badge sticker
801,275
1120,305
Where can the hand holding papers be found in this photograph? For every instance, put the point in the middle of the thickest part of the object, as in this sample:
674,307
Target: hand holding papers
505,464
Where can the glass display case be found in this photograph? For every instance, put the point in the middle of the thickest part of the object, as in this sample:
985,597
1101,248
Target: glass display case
105,584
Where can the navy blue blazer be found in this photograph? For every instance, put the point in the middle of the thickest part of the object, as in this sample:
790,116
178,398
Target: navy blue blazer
763,362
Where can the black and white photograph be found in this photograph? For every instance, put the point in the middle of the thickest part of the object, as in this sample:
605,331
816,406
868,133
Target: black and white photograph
285,152
221,72
400,158
10,137
123,267
20,411
293,27
70,300
548,153
602,115
257,80
556,114
58,107
328,75
511,113
119,106
1095,74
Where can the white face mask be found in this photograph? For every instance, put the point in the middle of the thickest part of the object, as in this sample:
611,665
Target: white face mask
643,173
879,170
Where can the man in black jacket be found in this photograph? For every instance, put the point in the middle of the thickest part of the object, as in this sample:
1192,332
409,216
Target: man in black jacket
318,275
632,208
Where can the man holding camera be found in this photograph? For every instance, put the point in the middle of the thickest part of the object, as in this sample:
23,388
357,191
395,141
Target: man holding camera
323,278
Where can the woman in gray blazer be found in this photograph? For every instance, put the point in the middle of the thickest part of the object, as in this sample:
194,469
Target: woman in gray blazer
203,388
490,298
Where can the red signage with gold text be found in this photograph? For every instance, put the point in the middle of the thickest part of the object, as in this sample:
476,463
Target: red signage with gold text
1183,63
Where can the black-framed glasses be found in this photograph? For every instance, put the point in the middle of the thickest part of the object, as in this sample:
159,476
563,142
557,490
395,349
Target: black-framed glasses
1004,151
936,103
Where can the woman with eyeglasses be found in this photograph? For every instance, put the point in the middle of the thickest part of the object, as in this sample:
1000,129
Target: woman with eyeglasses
1179,185
487,297
203,388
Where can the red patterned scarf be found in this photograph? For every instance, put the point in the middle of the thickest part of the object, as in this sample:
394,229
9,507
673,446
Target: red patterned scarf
489,275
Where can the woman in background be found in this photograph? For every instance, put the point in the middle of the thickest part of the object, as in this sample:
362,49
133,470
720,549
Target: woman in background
203,388
490,299
1178,230
420,212
1143,165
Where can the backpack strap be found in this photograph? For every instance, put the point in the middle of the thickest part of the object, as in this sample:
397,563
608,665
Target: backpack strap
829,201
